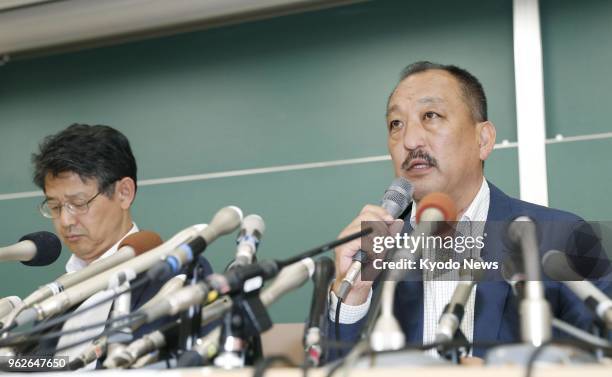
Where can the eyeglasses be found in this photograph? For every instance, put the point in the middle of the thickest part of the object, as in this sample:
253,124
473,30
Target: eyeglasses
52,210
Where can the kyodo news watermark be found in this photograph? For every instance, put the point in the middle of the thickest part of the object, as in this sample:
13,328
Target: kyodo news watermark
470,249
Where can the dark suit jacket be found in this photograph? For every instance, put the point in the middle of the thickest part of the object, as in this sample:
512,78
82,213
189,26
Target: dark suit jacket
496,308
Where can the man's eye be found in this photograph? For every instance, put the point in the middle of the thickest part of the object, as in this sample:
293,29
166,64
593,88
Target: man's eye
431,115
78,205
53,206
395,125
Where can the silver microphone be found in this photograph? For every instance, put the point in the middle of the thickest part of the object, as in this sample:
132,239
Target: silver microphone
452,315
395,201
536,315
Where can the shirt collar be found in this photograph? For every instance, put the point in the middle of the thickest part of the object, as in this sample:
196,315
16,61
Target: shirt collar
75,263
476,211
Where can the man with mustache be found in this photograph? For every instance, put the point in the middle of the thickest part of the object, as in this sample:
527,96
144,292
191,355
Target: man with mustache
88,176
439,137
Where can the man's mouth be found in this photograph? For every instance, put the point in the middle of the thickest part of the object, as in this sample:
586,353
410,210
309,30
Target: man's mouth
418,164
73,237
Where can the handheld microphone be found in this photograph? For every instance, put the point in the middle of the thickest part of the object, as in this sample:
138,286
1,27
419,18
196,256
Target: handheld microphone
226,220
324,273
288,279
395,201
453,312
34,249
536,325
433,213
253,227
133,245
81,291
557,267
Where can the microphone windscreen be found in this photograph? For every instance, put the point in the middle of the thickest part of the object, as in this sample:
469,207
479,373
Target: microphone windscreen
440,201
48,248
142,241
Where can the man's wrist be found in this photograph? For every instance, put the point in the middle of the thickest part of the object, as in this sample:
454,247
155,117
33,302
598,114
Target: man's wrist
349,313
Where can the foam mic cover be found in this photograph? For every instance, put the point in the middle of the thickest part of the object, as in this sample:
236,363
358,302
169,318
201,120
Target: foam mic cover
142,241
439,201
48,248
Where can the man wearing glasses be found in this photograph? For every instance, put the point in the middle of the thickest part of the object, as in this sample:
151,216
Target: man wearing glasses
88,176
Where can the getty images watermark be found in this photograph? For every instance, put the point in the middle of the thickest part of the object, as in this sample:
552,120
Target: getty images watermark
414,243
473,249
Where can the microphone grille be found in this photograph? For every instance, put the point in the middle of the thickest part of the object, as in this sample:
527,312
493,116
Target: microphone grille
397,196
48,248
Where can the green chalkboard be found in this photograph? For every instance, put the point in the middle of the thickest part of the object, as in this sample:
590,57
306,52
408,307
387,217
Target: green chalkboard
297,89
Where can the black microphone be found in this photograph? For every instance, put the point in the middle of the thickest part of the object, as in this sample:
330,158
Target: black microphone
34,249
324,273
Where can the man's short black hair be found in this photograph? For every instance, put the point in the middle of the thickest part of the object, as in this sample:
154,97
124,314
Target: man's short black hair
473,92
99,152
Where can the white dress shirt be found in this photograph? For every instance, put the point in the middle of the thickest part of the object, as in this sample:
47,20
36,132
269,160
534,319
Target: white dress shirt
436,293
96,315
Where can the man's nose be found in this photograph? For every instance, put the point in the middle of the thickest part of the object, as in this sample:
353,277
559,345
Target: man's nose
65,218
414,136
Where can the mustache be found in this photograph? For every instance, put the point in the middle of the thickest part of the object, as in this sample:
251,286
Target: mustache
420,155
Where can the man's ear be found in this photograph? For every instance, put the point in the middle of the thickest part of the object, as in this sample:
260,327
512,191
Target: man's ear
126,191
486,138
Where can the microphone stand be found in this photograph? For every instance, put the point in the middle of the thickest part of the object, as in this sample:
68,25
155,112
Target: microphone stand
190,320
241,329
